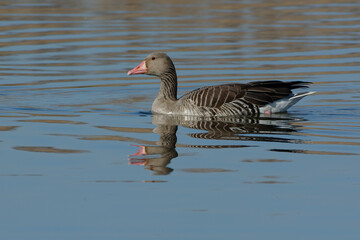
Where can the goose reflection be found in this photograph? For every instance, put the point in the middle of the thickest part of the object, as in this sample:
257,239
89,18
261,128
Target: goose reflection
156,158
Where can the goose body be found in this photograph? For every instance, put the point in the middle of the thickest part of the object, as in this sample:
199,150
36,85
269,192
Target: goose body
223,100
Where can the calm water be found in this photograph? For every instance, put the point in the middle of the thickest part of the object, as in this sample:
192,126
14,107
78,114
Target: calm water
82,157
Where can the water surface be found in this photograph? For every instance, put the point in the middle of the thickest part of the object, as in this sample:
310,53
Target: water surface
82,157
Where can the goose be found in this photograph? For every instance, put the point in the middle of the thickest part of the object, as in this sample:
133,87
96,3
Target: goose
233,99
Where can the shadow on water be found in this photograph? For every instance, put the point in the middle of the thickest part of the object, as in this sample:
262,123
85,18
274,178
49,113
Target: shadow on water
157,157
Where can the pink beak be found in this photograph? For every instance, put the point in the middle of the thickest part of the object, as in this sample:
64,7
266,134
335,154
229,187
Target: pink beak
141,151
140,69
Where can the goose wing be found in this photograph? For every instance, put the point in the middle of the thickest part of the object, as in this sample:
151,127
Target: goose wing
214,96
256,93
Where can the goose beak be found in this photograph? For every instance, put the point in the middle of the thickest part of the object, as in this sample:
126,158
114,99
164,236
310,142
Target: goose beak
140,69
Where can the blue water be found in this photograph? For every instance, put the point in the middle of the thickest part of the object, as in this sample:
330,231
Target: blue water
83,158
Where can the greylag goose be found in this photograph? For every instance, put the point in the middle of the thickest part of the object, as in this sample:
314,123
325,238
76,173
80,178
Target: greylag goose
223,100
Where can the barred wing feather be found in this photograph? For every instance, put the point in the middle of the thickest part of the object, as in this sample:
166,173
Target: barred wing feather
255,93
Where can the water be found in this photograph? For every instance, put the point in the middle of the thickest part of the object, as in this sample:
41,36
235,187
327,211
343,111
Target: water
74,126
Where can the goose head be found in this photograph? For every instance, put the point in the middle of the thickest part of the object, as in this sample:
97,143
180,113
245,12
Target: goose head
155,64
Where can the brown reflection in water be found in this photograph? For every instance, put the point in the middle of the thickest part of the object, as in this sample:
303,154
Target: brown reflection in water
8,128
332,124
116,138
128,181
22,175
196,210
333,143
154,181
13,116
120,138
47,149
52,115
206,170
51,121
325,136
126,129
265,161
339,131
107,103
312,152
270,181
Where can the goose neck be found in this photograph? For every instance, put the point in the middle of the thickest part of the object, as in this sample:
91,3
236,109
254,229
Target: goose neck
168,86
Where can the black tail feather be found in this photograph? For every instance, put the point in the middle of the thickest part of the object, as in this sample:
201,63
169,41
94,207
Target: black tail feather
262,93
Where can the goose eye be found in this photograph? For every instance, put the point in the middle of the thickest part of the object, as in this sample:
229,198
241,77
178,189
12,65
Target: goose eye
153,58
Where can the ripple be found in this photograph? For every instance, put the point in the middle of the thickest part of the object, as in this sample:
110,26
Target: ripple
265,161
47,149
8,128
313,152
206,170
51,121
